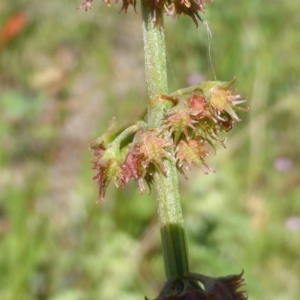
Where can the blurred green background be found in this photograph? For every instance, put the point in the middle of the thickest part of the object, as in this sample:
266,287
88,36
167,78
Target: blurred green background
65,73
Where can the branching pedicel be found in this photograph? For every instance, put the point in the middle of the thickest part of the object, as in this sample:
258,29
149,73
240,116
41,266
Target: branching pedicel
178,132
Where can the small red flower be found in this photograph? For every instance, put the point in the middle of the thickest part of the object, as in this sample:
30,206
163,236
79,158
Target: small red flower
133,169
192,152
222,100
190,8
107,166
144,157
154,149
179,121
198,107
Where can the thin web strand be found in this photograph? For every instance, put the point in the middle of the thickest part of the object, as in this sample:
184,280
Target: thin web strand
209,39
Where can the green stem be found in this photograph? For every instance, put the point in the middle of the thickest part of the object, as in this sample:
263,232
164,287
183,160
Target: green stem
169,206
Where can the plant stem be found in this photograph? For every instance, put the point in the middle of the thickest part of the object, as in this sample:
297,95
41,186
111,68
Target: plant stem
169,206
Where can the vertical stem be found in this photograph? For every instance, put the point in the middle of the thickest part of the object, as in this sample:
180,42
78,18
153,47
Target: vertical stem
169,206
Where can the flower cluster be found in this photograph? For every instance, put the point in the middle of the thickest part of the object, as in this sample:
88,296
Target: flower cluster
194,122
187,288
173,8
134,153
199,115
145,156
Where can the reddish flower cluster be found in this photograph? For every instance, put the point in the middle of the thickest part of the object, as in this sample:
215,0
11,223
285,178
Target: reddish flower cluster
220,288
198,115
208,101
138,160
197,119
186,7
173,8
145,157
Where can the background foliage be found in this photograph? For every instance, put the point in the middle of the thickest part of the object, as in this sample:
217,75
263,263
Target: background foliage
62,78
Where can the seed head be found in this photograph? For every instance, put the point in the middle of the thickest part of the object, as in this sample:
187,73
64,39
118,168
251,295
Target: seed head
174,8
187,288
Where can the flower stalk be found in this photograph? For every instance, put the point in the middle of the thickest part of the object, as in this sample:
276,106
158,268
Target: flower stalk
169,206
